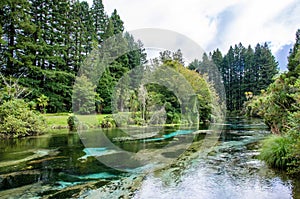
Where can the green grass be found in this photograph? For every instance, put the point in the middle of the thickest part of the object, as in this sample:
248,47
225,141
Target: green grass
275,151
59,120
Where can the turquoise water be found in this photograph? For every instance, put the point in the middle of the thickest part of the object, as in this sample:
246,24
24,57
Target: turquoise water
35,167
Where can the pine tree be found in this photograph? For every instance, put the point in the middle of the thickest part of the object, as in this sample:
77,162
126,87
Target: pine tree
2,50
117,22
227,72
194,64
109,29
244,70
249,76
265,67
218,82
217,58
294,57
17,32
99,20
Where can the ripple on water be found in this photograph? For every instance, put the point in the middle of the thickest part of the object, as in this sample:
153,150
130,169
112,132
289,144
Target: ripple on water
203,184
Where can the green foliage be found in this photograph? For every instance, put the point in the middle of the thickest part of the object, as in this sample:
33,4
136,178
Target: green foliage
202,90
293,166
273,105
73,122
279,107
108,122
84,96
32,105
293,58
17,120
240,70
42,103
158,103
294,133
44,43
117,22
275,151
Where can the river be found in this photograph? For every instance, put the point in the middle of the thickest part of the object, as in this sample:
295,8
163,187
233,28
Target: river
61,165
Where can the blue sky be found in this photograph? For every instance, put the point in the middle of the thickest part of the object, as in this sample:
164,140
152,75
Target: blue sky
217,24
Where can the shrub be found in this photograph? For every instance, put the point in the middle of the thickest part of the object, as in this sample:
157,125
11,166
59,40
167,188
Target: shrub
294,165
32,105
17,120
108,122
72,122
176,118
139,121
275,151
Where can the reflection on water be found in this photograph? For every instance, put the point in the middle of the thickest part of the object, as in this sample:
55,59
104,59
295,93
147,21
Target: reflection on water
230,171
201,184
56,161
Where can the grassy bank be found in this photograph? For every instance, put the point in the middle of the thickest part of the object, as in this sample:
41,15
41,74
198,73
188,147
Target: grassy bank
59,120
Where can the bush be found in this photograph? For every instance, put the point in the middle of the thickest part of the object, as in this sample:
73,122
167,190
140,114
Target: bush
17,120
108,122
294,165
139,121
176,118
72,122
275,151
294,133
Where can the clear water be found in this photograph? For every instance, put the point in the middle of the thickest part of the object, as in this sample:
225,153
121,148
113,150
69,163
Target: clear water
36,166
230,171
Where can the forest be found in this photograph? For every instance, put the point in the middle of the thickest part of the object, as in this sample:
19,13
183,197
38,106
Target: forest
44,43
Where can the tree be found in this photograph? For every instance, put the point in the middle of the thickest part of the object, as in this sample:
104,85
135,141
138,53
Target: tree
43,44
242,70
165,56
279,106
217,58
105,90
194,64
17,32
294,57
118,24
100,20
249,83
42,103
84,96
266,67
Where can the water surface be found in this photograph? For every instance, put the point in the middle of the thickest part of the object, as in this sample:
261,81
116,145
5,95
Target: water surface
45,165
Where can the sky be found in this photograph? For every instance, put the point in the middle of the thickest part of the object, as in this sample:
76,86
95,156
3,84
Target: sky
217,23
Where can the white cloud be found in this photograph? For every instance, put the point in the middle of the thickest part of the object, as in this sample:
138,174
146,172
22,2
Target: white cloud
215,23
254,22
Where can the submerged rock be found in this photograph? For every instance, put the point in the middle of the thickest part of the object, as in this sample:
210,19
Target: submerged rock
17,179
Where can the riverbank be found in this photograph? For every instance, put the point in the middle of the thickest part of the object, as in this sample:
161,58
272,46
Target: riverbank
59,165
59,120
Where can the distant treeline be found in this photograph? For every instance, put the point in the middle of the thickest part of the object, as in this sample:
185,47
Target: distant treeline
243,72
